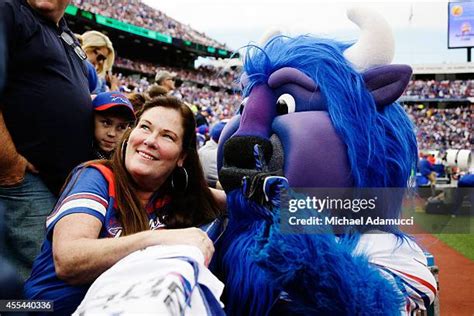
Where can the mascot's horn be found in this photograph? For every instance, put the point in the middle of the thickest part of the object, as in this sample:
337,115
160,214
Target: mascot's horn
268,35
376,45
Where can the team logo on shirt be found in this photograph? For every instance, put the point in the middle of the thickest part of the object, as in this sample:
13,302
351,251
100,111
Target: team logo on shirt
115,231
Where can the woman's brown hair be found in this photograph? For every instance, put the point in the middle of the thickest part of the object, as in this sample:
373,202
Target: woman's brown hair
192,206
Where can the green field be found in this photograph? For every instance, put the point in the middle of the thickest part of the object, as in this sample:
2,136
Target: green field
464,243
456,232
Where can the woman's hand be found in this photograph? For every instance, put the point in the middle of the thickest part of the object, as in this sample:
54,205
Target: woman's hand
186,236
112,81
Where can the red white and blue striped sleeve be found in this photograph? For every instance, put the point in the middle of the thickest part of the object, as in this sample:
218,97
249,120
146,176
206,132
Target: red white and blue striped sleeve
87,192
404,263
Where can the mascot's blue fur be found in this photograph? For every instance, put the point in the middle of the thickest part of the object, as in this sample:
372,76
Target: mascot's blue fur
266,271
318,274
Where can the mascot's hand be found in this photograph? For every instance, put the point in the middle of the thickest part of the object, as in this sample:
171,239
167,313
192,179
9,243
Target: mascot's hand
265,188
273,187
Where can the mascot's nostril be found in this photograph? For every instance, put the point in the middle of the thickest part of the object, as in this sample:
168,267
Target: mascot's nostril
239,151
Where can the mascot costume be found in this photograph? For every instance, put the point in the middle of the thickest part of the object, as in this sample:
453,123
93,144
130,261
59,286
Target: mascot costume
317,113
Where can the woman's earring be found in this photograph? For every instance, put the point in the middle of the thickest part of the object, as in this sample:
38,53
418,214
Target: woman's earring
174,182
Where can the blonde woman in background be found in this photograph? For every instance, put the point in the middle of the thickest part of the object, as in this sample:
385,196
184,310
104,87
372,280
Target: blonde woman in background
100,53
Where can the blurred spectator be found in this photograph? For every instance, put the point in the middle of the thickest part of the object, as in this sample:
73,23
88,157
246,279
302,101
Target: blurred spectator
156,91
431,158
45,120
208,155
137,100
425,174
100,53
201,117
202,135
165,79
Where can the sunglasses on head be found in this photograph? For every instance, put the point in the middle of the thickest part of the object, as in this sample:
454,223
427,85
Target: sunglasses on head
67,38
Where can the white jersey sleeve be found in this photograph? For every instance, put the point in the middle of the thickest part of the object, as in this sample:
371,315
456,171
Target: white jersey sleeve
403,262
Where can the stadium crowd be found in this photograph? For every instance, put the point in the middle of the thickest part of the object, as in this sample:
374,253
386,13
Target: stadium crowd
441,129
206,75
137,13
446,89
220,104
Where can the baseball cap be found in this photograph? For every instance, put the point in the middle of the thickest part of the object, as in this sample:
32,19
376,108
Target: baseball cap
203,129
108,100
163,75
217,130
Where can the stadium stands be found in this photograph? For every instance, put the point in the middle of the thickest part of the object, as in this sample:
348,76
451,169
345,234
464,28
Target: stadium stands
442,129
137,13
204,75
445,89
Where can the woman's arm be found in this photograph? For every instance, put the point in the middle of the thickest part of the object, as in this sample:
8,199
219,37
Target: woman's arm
80,257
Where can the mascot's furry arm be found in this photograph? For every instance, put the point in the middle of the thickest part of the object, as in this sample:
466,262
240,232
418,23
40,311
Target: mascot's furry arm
320,113
299,274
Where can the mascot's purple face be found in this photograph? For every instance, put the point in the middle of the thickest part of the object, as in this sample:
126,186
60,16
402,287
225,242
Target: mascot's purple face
321,113
288,120
287,116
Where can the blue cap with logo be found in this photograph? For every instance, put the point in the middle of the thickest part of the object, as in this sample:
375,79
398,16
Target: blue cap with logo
108,100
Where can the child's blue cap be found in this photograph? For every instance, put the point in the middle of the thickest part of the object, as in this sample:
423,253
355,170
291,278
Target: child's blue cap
108,100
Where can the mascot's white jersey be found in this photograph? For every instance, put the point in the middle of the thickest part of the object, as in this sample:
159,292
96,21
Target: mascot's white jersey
159,280
404,263
171,280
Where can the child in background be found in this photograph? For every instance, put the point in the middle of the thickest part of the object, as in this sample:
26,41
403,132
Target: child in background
113,115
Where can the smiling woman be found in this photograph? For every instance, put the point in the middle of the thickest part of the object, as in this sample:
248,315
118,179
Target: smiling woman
154,180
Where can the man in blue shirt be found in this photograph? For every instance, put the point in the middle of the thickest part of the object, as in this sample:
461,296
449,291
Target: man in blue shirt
426,176
45,119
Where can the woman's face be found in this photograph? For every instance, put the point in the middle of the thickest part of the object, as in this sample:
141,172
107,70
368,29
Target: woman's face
97,56
155,147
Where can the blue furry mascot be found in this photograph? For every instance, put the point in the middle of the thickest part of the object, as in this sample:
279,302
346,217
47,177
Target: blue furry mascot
319,113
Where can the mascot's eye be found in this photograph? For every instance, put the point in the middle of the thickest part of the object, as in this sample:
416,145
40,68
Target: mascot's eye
286,104
242,105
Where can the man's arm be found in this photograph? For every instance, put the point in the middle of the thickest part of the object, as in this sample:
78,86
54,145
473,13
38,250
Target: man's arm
12,164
